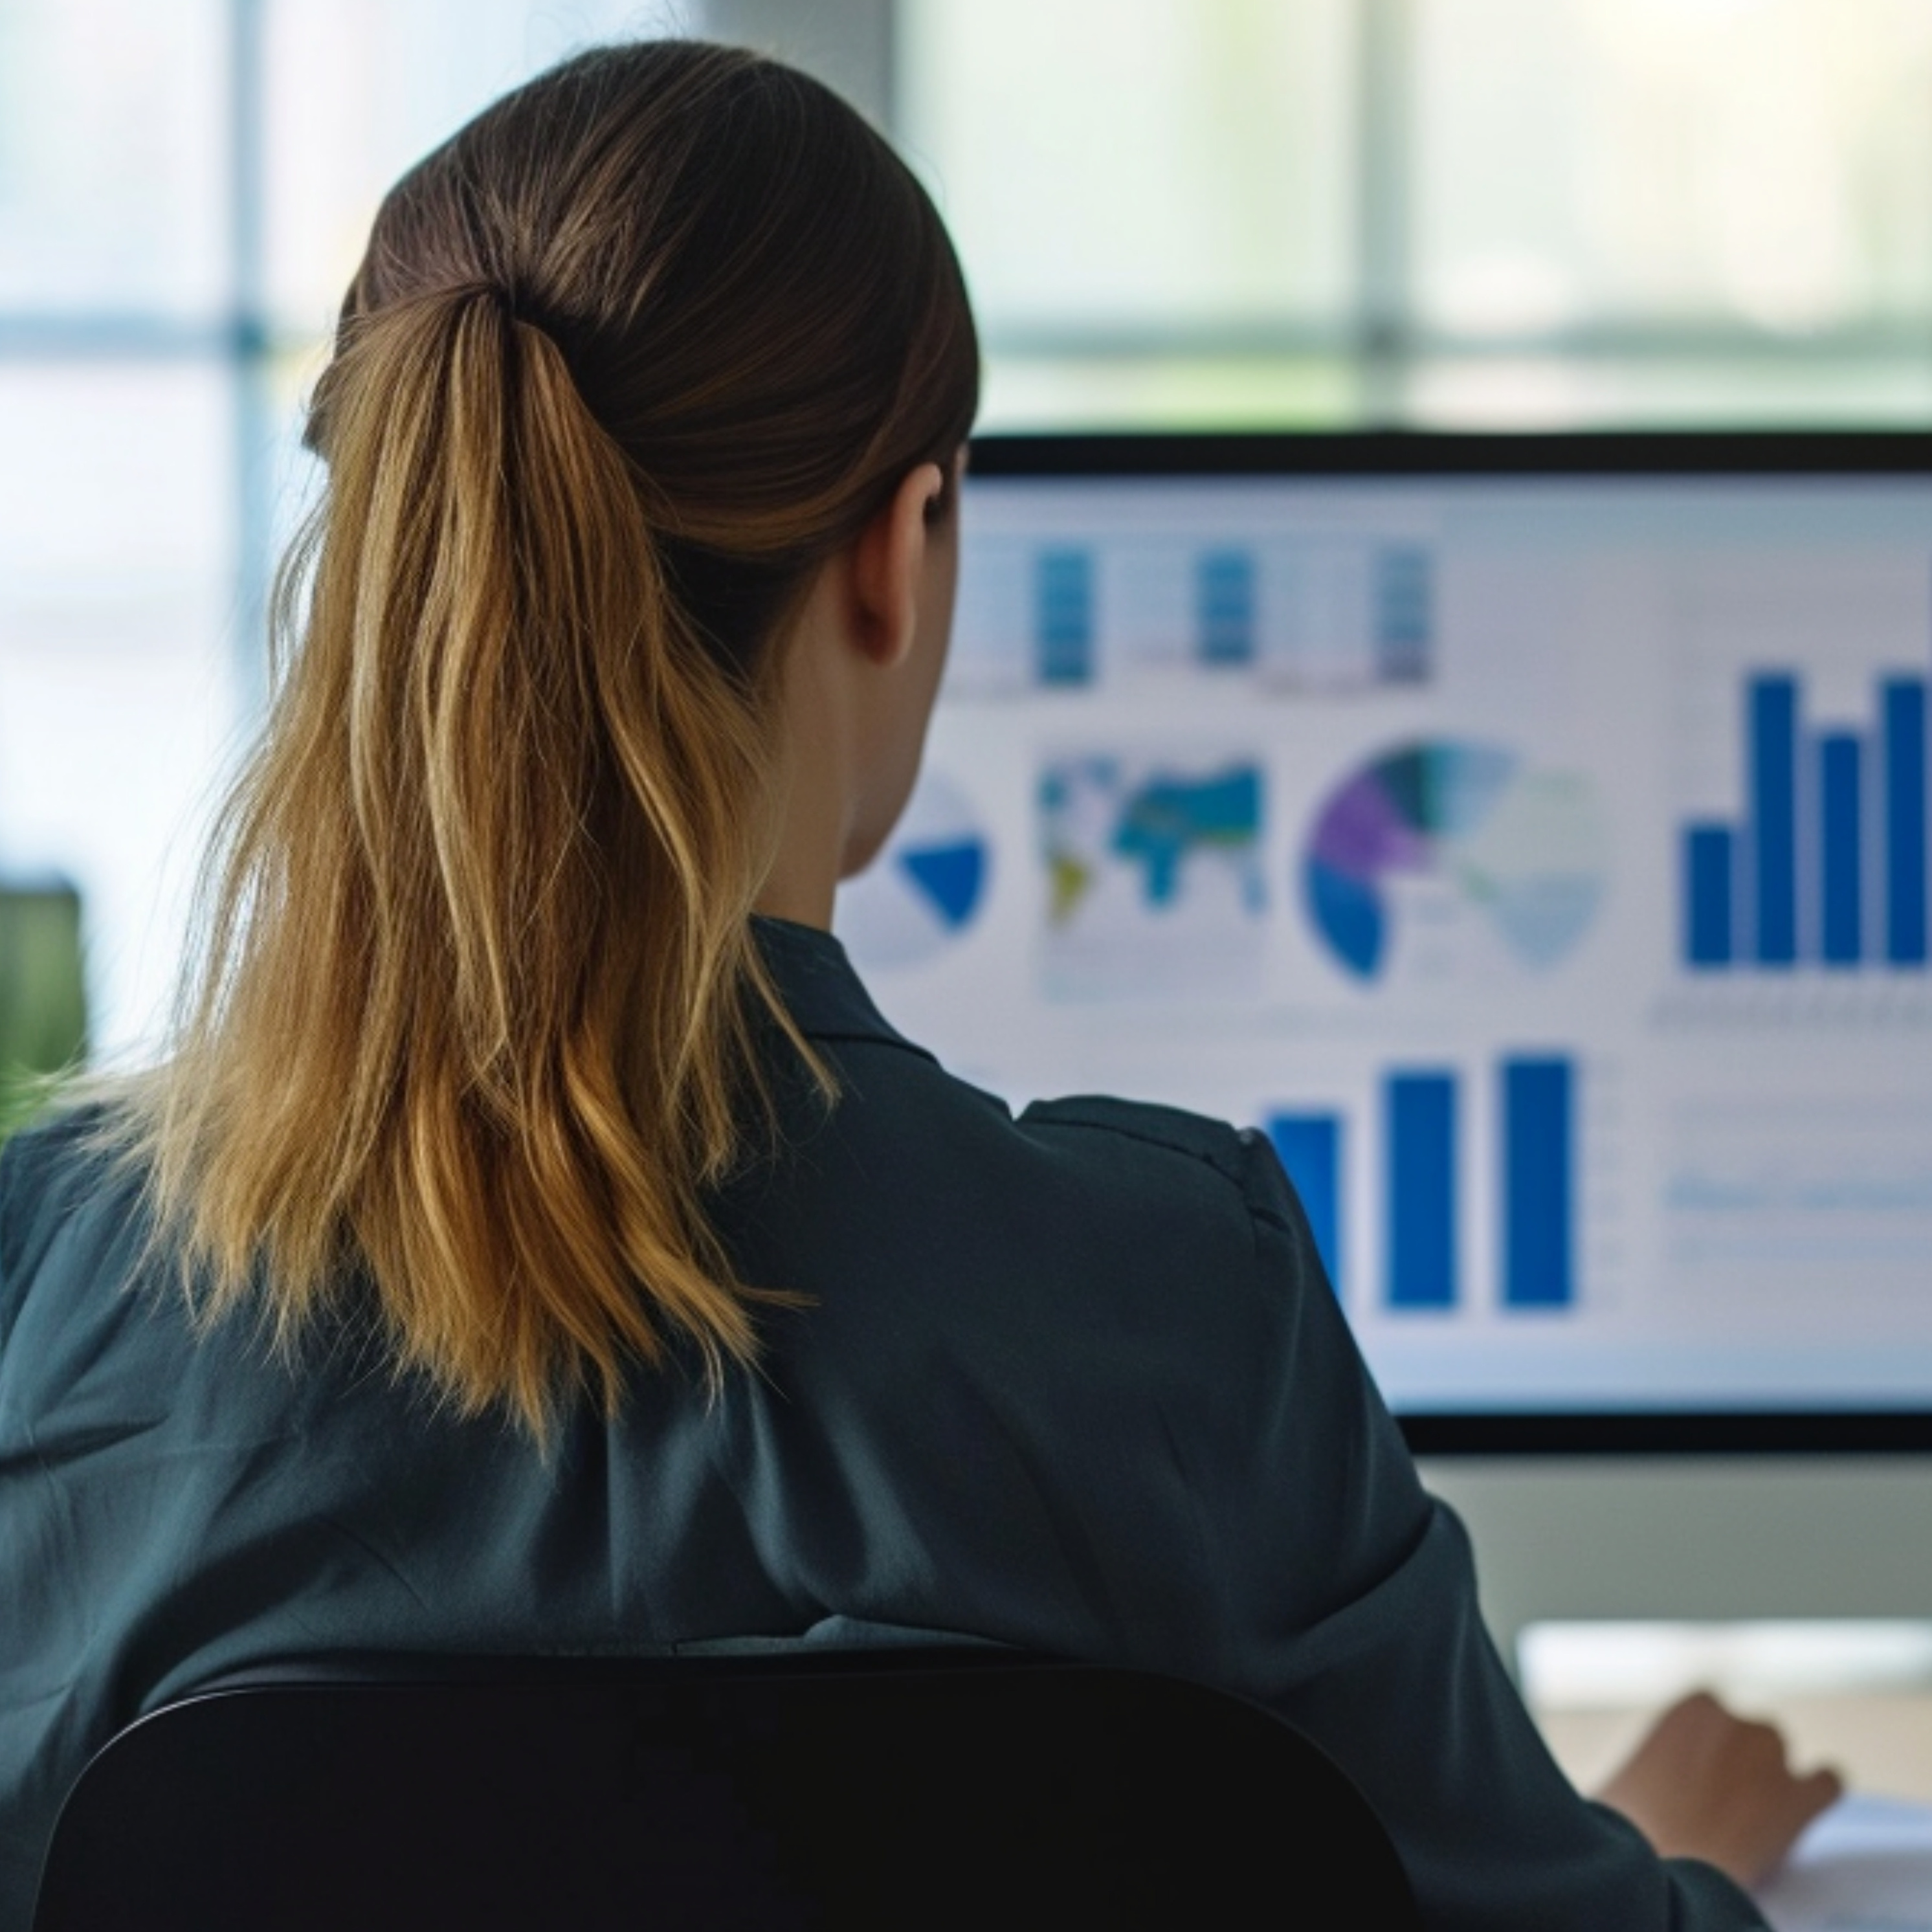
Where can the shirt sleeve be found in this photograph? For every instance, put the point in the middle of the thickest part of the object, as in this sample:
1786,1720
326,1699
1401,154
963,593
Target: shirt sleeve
1394,1675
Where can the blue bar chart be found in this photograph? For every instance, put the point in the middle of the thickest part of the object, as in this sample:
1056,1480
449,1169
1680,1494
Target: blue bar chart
1310,1148
1424,1171
1539,1166
1903,700
1842,848
1225,603
1710,869
1405,601
1091,613
1773,802
1063,617
1419,1120
1828,866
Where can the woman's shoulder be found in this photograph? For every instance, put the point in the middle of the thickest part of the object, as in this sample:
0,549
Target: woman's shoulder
74,1143
1141,1142
1128,1205
65,1182
1107,1121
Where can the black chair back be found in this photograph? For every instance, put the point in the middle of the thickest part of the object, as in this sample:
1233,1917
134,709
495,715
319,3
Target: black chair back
909,1789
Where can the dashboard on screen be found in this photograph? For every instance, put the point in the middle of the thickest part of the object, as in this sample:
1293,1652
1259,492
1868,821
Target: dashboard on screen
1529,836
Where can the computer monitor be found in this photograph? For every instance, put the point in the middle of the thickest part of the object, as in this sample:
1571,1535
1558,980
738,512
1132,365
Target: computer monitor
1528,835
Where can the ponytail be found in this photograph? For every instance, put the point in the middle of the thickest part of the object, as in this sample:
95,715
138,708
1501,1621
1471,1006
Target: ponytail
479,1017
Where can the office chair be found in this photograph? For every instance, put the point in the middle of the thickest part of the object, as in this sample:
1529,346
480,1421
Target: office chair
911,1789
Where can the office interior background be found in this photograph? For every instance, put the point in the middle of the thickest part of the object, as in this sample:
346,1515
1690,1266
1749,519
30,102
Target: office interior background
1474,213
1486,213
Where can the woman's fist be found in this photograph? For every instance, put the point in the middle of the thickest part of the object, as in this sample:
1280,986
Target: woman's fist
1705,1784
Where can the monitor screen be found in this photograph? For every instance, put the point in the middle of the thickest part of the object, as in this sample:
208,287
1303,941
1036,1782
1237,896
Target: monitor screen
1529,836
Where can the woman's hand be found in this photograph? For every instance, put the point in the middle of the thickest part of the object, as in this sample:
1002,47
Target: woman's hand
1705,1784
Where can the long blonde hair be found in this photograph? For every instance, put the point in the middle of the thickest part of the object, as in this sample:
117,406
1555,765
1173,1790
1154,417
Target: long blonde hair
478,1013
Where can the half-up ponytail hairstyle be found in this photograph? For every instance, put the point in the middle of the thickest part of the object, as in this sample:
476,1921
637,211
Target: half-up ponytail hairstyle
477,1014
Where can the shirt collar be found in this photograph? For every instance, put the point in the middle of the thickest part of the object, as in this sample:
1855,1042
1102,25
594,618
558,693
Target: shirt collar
825,997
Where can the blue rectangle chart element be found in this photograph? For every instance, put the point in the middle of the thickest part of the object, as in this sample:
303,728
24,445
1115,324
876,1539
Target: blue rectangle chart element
1772,736
1839,764
1405,613
1903,700
1420,1137
1539,1189
1224,606
1310,1148
1710,869
1063,617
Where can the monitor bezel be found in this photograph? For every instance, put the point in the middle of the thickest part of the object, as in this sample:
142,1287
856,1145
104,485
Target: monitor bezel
1439,453
1614,454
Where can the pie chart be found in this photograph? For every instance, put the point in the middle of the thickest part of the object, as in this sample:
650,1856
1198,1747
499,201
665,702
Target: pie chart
1519,848
918,897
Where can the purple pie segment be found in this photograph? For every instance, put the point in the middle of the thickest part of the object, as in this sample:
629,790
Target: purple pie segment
1362,832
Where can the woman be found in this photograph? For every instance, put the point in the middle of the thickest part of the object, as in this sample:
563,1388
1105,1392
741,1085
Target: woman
536,1240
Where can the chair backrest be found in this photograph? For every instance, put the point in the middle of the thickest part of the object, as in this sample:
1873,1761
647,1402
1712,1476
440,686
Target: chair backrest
909,1790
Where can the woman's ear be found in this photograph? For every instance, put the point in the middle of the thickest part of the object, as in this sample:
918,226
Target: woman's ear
889,562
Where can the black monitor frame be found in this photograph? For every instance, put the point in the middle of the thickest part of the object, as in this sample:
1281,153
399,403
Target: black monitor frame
1396,454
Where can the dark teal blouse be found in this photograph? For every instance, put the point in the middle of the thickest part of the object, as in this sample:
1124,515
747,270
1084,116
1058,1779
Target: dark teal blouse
1073,1382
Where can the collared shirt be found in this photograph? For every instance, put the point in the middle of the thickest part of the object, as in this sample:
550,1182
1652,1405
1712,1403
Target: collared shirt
1072,1381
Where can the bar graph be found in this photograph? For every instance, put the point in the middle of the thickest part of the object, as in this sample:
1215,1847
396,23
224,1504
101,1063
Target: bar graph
1903,700
1539,1112
1710,870
1063,615
1774,797
1405,600
1310,1146
1278,611
1225,603
1426,1175
1842,849
1350,614
1419,1120
1828,867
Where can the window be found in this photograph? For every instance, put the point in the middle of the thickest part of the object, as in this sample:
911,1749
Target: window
1155,200
1478,212
1319,211
183,192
